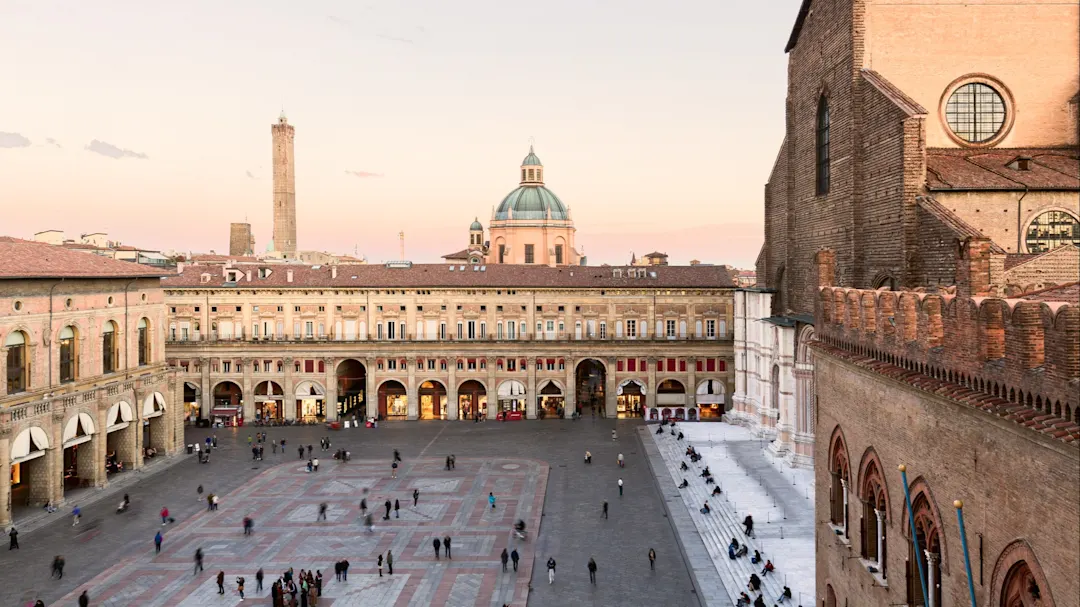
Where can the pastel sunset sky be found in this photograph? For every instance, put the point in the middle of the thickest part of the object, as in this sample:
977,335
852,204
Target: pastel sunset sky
657,123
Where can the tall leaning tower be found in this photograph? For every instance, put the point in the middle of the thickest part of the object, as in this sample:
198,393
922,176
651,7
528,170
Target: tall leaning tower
284,188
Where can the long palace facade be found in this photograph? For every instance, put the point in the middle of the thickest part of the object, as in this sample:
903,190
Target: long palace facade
274,342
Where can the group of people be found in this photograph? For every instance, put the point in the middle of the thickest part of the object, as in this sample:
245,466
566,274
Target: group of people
302,590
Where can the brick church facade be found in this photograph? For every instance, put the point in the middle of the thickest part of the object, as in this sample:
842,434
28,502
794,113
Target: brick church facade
917,301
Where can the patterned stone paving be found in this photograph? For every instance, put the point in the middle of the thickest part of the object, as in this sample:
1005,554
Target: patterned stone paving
283,501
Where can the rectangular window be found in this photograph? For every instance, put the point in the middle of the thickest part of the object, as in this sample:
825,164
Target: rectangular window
551,364
442,330
631,328
483,330
309,366
226,366
631,365
431,364
671,365
619,365
539,330
472,364
309,329
472,329
529,258
511,330
721,366
710,365
296,330
322,366
710,329
511,364
499,330
442,365
603,330
697,365
521,332
682,365
391,329
322,330
502,253
558,254
296,366
255,330
378,330
401,331
460,330
391,365
671,328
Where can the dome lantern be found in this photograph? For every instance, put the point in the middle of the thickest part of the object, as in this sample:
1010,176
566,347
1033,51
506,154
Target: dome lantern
532,171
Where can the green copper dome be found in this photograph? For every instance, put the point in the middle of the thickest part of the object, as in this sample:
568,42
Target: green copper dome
476,225
531,202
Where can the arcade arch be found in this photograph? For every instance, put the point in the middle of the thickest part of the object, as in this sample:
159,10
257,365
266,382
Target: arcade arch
433,400
512,397
351,388
630,398
393,400
590,378
551,400
310,401
472,400
269,402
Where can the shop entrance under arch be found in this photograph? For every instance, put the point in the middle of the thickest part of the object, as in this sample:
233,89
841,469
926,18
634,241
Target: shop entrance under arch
228,404
192,403
433,400
630,399
709,397
472,400
79,466
590,378
120,438
29,462
310,402
351,388
512,398
154,426
393,400
551,401
269,402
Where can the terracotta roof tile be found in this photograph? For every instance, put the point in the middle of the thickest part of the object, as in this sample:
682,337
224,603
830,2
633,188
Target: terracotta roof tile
28,259
1066,293
462,254
464,275
986,169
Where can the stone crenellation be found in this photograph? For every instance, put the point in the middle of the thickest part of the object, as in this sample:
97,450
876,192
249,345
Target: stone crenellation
1017,358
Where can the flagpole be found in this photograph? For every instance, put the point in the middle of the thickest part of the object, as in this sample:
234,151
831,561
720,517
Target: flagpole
959,505
914,537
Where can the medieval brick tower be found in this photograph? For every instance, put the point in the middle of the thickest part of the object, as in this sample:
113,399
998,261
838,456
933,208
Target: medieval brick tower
284,188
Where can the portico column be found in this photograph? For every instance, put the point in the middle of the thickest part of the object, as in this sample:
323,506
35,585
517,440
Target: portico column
451,394
843,486
371,396
331,389
100,442
5,477
931,579
411,392
570,394
54,456
249,392
530,393
650,390
289,389
492,391
206,407
691,378
610,384
136,436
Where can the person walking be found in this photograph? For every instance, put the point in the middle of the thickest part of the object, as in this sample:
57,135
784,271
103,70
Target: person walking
363,507
446,546
505,558
379,562
214,503
491,500
388,506
300,451
397,509
592,571
221,582
748,523
309,451
157,542
436,543
393,470
198,493
551,569
240,587
164,516
84,599
514,556
605,510
258,580
322,512
76,514
315,464
620,487
345,570
652,559
14,535
337,569
390,562
397,456
415,497
58,567
198,561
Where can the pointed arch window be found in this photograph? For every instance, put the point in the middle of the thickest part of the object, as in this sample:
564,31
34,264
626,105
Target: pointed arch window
822,147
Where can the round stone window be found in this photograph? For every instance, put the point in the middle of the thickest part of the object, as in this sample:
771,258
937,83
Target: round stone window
1051,230
976,112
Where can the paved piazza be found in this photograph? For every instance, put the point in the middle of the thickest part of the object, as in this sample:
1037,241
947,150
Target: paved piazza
534,468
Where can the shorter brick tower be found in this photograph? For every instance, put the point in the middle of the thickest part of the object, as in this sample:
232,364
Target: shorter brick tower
241,242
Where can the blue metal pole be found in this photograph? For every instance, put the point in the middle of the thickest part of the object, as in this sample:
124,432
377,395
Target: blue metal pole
963,542
914,536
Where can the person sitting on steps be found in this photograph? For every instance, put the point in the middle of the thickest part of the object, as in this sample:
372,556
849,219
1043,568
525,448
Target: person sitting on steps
716,490
756,558
742,550
705,472
767,569
706,509
754,585
680,437
659,429
684,467
684,484
709,480
785,596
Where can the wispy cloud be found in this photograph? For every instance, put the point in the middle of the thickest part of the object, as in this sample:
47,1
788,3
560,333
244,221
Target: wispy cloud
250,175
362,173
112,151
13,140
51,141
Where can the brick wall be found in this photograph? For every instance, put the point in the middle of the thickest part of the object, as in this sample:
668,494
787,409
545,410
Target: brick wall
959,453
774,255
1062,265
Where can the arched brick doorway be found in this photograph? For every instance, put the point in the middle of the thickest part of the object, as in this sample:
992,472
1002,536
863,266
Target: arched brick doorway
472,400
393,400
351,384
432,400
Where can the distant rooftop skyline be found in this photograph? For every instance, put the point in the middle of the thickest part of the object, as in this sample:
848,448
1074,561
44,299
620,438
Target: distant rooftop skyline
657,127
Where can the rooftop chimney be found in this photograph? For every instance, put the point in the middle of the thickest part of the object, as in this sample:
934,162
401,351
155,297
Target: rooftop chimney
333,271
288,275
248,274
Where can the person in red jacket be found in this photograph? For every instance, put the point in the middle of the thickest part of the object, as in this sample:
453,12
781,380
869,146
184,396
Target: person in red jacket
164,516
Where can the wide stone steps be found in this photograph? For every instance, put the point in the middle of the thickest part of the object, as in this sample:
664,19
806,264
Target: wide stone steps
719,526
